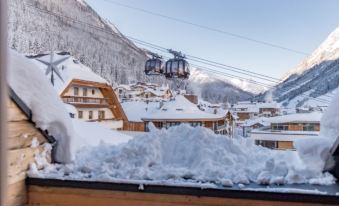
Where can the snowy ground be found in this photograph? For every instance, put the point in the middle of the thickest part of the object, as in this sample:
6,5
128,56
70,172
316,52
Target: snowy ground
181,155
184,155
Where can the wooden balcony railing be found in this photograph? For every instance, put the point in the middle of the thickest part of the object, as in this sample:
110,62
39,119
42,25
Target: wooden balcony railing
85,100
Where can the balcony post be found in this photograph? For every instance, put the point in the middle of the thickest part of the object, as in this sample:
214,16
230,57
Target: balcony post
3,102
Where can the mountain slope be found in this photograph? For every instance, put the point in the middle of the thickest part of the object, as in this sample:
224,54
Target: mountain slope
105,50
316,77
215,89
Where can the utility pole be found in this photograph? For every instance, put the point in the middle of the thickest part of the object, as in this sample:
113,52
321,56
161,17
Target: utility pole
3,102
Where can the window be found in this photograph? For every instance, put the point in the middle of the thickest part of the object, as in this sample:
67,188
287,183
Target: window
280,127
101,115
175,66
93,91
308,127
181,67
267,143
196,124
84,92
90,115
76,91
80,114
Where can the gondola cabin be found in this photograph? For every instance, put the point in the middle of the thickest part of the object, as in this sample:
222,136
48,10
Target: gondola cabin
153,66
177,68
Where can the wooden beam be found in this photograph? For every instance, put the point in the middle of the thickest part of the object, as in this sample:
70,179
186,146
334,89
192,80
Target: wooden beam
3,100
62,196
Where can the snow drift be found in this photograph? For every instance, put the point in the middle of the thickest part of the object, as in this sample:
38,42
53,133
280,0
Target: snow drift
184,154
316,152
49,112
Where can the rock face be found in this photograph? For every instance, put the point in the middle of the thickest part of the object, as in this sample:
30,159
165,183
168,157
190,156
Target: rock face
316,77
93,40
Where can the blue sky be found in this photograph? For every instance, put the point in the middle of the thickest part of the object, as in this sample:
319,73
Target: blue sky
298,24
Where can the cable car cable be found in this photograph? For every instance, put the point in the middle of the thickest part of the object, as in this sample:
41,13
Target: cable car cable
211,29
84,23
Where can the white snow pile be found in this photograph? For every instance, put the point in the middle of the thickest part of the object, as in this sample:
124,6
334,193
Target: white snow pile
48,110
50,113
316,152
94,134
184,154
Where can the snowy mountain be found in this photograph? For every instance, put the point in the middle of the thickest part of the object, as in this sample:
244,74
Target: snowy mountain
316,77
214,88
95,41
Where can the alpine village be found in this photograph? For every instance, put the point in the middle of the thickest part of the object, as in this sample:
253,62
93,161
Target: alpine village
96,117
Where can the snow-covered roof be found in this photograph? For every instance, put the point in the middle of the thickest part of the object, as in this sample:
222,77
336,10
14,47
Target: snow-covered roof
268,105
123,86
298,117
49,112
261,120
69,69
254,107
157,91
211,110
178,108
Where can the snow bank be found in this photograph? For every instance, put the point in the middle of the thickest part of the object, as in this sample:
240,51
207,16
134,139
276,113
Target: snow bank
182,155
48,110
316,152
50,113
94,134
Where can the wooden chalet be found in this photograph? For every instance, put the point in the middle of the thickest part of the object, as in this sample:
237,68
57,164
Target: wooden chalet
144,92
91,95
156,94
176,111
249,110
284,130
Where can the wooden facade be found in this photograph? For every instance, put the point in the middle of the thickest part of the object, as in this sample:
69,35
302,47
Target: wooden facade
21,153
106,100
291,126
271,111
70,193
242,116
223,125
283,145
89,197
134,126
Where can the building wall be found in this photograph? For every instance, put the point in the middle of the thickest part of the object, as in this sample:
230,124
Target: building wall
298,126
243,116
97,92
285,145
109,120
134,126
21,154
281,145
85,111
